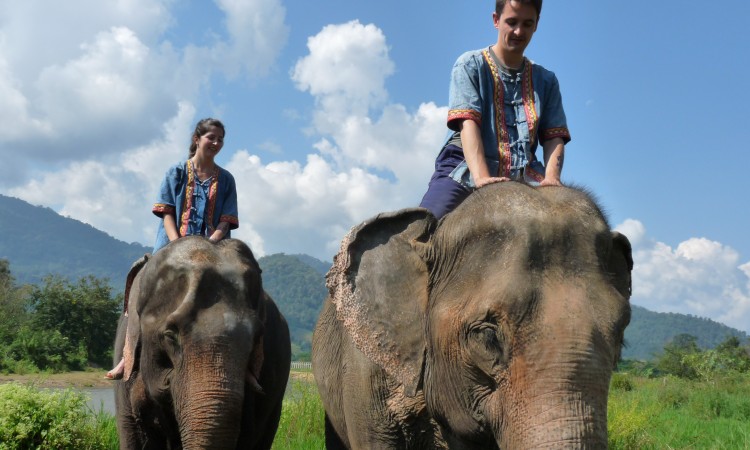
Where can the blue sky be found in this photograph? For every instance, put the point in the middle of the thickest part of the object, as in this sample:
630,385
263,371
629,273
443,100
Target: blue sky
336,109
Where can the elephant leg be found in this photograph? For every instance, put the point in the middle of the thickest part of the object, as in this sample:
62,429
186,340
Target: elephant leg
369,423
270,428
333,441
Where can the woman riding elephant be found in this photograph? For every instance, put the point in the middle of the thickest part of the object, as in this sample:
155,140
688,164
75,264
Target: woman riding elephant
197,197
496,327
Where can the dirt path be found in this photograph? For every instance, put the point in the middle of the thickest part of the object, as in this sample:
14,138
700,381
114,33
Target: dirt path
61,380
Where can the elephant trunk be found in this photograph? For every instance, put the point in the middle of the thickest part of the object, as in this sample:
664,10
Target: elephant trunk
211,402
561,382
560,407
211,420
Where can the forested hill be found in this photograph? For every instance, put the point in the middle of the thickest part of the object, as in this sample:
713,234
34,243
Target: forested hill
297,285
649,331
38,242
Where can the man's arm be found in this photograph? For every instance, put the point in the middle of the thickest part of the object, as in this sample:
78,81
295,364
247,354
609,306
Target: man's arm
471,141
554,157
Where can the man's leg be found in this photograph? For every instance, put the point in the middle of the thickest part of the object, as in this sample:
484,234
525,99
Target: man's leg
443,195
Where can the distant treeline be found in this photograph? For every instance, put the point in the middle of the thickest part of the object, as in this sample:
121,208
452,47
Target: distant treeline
60,325
56,326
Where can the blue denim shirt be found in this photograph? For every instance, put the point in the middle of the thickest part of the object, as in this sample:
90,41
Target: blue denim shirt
514,112
198,206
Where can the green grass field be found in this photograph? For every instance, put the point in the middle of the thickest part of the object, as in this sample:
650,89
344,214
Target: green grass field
672,413
658,413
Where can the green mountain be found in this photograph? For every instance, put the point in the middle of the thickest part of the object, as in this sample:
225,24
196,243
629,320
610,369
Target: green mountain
297,285
38,242
649,331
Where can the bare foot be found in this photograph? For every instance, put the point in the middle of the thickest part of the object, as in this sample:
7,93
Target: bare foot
116,373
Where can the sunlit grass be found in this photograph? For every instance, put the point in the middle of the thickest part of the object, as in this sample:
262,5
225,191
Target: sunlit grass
671,413
659,413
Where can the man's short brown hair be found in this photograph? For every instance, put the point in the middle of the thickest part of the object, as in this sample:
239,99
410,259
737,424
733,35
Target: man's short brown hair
500,5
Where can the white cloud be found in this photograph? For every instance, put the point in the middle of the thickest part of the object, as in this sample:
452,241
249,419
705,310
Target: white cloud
363,164
67,25
115,194
699,277
108,83
345,71
257,35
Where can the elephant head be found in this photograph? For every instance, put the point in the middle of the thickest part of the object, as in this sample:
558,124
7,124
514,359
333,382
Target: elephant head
212,351
507,316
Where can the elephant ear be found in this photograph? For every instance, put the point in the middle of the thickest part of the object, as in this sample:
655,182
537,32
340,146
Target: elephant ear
379,285
620,263
133,331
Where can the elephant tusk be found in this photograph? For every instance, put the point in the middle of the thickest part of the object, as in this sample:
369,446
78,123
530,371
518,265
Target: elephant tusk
253,382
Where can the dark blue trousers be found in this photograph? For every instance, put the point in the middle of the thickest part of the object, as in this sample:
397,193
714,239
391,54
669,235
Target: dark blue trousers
444,194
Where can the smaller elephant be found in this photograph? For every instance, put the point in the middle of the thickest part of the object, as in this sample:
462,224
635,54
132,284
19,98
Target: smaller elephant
211,351
496,327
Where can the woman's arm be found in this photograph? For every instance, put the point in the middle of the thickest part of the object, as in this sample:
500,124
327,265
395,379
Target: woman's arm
170,226
220,232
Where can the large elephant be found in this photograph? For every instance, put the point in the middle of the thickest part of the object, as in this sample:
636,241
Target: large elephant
496,327
211,351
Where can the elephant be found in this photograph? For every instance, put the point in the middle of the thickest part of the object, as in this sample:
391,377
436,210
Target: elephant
498,326
211,351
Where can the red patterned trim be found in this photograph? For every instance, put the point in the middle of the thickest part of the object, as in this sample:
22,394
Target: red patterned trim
536,176
529,102
212,190
561,132
162,208
464,114
188,201
503,141
233,221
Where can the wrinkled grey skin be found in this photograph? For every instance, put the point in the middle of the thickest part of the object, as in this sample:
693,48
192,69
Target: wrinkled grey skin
497,327
212,355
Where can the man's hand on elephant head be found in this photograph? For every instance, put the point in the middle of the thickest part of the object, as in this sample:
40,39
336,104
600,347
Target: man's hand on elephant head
551,182
489,180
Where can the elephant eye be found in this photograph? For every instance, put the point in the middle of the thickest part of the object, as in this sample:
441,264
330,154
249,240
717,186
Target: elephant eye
169,335
487,346
486,336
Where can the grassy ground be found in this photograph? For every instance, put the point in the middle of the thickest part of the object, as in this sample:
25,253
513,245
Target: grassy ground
660,413
671,413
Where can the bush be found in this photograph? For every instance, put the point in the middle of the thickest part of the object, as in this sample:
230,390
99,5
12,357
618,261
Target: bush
42,419
621,382
674,392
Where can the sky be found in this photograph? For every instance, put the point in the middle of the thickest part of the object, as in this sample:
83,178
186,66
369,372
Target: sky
336,109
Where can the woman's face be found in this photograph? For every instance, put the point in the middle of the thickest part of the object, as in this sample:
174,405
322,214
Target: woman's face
210,143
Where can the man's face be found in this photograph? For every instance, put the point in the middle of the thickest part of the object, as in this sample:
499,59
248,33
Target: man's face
515,25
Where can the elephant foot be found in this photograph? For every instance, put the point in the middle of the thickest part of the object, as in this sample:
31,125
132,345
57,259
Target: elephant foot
117,371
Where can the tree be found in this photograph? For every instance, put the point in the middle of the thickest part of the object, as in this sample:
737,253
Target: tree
674,361
13,310
85,313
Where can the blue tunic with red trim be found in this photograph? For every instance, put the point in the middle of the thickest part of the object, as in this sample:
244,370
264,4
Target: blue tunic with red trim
198,206
515,112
